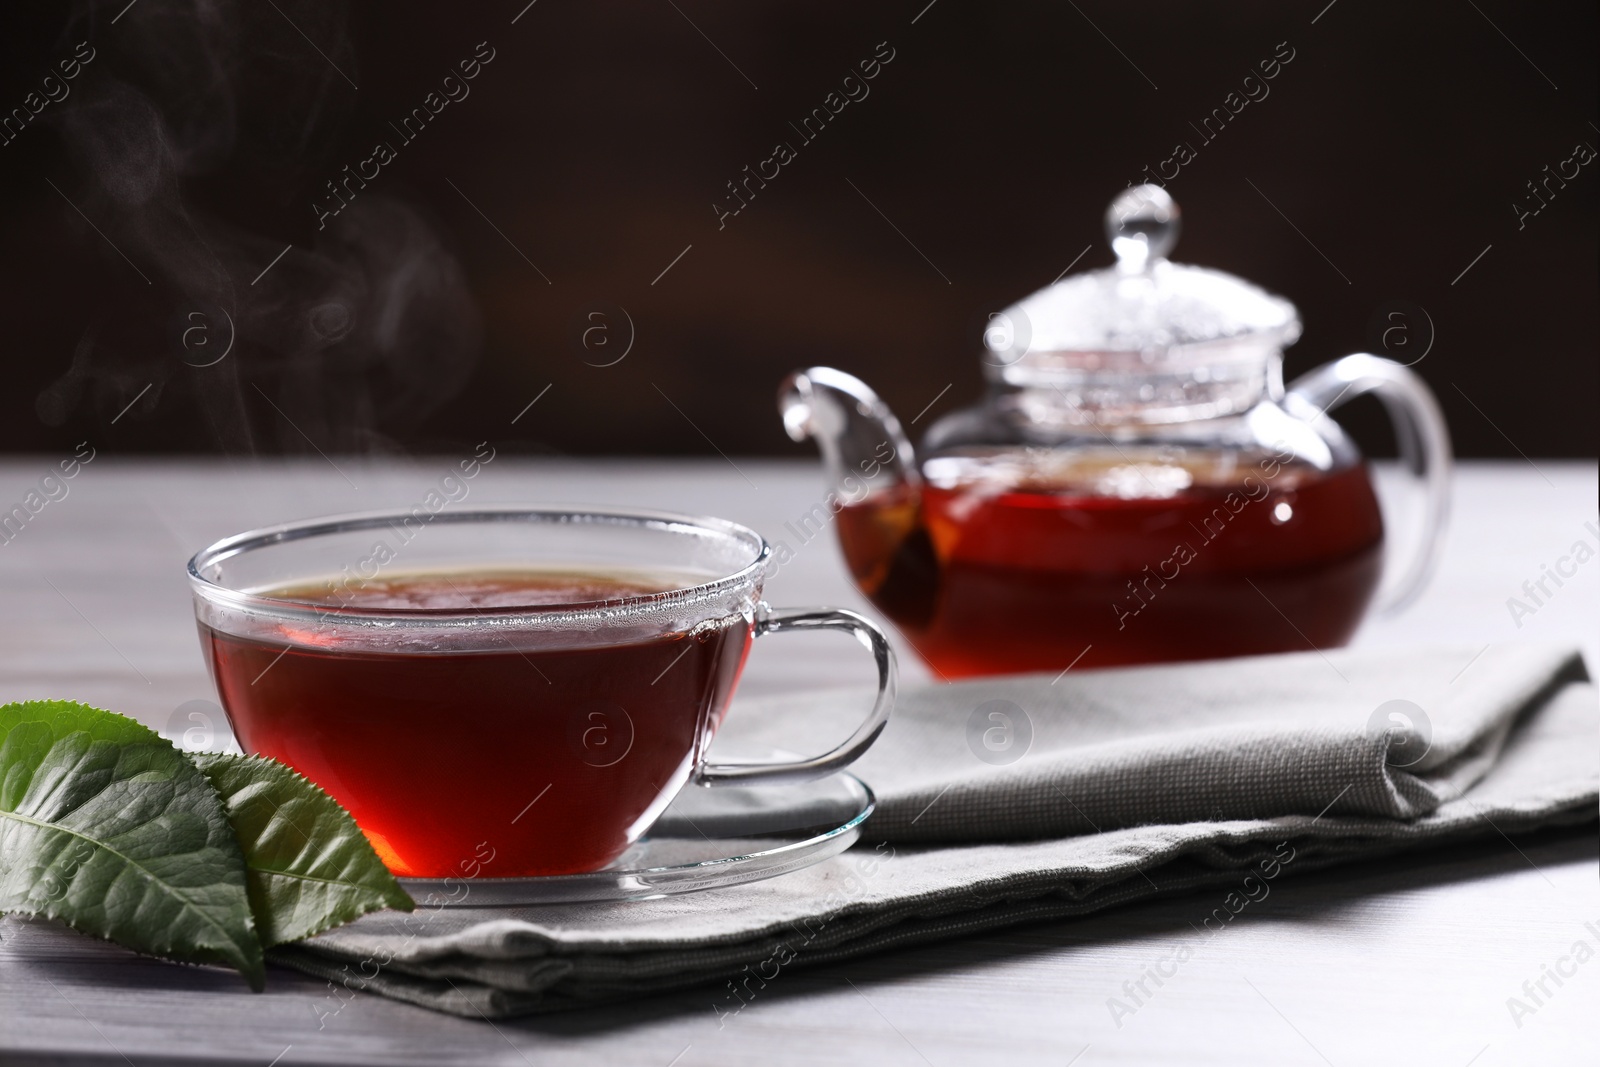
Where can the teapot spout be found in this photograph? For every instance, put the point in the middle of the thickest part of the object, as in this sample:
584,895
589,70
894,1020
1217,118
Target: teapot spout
876,493
864,450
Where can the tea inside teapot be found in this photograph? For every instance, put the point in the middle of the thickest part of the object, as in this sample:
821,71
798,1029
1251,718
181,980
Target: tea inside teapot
1014,561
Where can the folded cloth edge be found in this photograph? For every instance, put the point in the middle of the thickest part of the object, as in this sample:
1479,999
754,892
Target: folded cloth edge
444,984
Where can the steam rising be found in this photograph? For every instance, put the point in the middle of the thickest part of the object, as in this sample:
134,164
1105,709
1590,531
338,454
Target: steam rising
370,327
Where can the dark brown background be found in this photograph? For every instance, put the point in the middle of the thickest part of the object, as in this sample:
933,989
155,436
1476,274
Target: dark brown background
598,138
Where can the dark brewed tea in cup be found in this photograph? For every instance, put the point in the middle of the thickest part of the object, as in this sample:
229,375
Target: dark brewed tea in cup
526,759
525,694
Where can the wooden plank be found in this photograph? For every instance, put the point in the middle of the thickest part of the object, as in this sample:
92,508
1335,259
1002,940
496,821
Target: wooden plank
1401,961
1390,962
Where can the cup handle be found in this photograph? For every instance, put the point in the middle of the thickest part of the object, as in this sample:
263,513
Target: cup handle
780,620
1424,447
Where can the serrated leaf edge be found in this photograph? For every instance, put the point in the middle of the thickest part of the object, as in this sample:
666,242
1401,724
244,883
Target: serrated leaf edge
387,892
255,973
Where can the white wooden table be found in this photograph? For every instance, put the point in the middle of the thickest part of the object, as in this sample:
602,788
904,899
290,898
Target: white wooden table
1406,960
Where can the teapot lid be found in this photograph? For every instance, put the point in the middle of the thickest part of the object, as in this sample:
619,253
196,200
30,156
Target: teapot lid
1145,312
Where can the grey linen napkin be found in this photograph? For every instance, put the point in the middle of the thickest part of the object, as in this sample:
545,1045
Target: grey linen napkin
1097,788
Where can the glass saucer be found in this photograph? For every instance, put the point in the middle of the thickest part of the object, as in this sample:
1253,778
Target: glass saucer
706,839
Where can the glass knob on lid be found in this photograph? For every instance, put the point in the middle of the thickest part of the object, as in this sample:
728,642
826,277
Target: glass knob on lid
1142,224
1146,340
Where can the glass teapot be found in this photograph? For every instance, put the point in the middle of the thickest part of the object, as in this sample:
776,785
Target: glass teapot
1137,486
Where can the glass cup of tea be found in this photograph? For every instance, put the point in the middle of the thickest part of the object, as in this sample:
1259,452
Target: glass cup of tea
534,684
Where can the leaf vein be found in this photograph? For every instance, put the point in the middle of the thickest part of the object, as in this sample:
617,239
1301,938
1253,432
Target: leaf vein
187,901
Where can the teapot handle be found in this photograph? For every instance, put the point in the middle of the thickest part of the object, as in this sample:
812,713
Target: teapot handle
1424,447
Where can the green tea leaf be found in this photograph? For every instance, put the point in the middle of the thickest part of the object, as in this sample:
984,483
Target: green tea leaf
107,827
308,865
